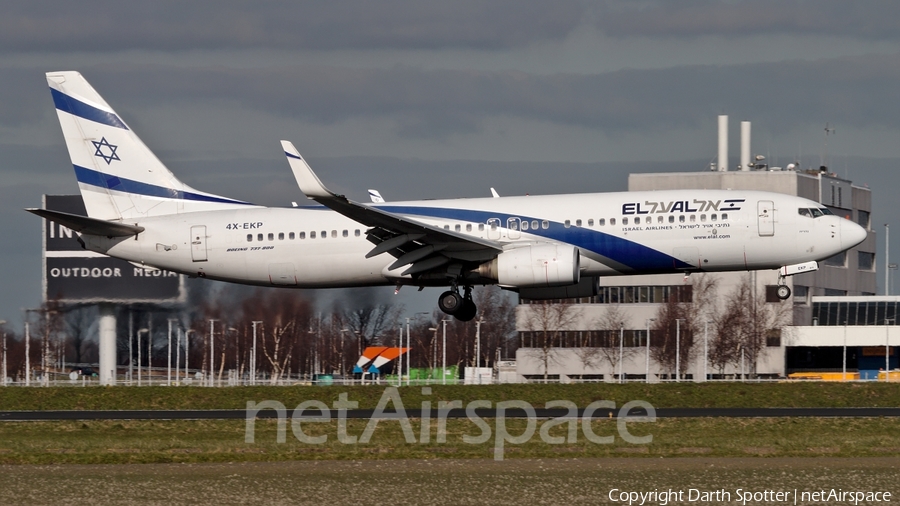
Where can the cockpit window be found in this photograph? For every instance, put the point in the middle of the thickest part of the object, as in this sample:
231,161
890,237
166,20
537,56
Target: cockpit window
826,211
804,212
816,212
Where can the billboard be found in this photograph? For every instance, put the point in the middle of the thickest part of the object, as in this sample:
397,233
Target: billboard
75,275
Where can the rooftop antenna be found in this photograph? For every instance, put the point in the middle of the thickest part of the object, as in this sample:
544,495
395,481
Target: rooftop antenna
828,130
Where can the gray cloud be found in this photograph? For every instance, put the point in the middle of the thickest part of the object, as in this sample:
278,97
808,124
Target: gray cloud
853,91
733,19
172,25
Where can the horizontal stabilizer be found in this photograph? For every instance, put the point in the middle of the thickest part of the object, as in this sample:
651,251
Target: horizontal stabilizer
87,225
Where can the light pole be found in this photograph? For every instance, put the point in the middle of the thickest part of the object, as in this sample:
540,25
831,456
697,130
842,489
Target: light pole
253,355
3,377
844,355
621,352
887,255
225,345
27,355
678,349
178,354
444,353
887,348
647,363
705,350
187,347
212,355
139,354
478,348
169,355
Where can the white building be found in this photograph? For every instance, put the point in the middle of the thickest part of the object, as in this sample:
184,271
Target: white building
639,298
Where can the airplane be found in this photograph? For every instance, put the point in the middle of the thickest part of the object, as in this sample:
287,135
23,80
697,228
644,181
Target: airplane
541,246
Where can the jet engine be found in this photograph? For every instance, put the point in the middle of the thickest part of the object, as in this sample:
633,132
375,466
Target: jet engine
538,265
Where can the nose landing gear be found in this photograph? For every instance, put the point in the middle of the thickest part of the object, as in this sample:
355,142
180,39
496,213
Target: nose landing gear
461,307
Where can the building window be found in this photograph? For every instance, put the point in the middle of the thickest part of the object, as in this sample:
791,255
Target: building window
772,293
862,217
773,338
866,261
839,260
801,294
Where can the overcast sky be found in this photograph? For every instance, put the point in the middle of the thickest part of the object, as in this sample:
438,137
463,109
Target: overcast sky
446,99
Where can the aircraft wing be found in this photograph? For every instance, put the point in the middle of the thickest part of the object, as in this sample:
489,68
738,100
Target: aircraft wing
421,246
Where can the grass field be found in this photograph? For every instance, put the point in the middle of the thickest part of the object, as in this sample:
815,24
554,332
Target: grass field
195,441
448,481
683,395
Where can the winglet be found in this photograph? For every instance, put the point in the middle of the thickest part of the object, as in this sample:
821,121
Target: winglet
307,180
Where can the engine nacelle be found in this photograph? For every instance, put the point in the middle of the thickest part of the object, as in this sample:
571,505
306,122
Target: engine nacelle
538,265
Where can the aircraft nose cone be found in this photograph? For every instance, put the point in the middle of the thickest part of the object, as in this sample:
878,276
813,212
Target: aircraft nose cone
851,234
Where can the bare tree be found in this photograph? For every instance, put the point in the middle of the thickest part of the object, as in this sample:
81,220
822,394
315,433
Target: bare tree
747,322
609,349
547,321
497,310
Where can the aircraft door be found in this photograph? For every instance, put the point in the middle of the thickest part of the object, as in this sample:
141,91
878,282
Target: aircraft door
198,243
493,228
766,213
513,224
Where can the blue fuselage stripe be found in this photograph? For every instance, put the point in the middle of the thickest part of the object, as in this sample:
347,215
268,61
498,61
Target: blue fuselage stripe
78,108
620,250
107,181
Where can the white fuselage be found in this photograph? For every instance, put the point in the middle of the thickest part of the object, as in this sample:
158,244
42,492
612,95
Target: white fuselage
615,233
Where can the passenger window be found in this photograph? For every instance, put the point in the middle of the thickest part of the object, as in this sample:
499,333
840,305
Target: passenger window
312,235
259,237
713,217
446,227
693,218
637,220
303,235
468,227
356,233
659,219
534,224
591,222
702,217
271,236
545,224
681,219
291,236
612,221
457,228
324,234
333,234
249,237
481,227
577,223
345,233
804,212
624,221
280,236
724,216
567,223
524,225
601,222
671,219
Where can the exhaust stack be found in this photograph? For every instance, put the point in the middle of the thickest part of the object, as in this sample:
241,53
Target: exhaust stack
745,145
723,142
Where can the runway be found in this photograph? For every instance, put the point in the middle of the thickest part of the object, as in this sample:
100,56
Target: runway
235,414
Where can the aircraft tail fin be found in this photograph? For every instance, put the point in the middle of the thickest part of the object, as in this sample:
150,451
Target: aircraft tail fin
119,177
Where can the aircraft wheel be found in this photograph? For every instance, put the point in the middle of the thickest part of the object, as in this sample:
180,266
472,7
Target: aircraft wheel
467,312
783,292
450,302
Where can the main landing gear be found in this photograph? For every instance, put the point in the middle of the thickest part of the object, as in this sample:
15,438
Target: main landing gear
462,307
